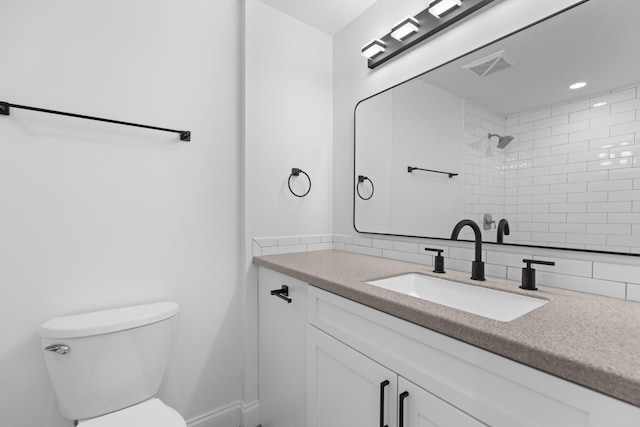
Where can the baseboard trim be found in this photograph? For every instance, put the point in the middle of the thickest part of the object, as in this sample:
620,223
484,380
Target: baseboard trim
237,414
228,416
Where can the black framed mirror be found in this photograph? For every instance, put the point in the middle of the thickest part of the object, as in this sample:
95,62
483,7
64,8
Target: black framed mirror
499,134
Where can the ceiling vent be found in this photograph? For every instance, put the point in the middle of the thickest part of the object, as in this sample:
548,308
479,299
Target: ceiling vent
491,64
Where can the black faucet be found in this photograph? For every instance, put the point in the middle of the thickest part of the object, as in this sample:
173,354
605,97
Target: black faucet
477,266
503,229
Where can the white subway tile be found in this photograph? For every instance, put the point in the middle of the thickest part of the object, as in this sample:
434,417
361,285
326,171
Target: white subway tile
633,292
617,272
551,141
311,238
406,246
625,128
631,104
548,218
600,196
549,198
520,128
612,141
532,226
326,238
549,237
582,284
625,173
587,218
288,240
495,271
285,249
624,241
566,266
562,119
623,218
361,241
636,184
364,250
457,264
537,208
587,239
567,228
568,168
551,179
570,128
589,176
530,172
608,164
339,246
609,229
589,114
570,148
266,241
613,119
383,244
342,238
614,97
585,156
619,184
589,134
533,190
408,257
574,187
559,159
507,259
535,115
534,153
256,249
323,246
619,196
609,207
570,107
626,151
534,134
608,248
567,207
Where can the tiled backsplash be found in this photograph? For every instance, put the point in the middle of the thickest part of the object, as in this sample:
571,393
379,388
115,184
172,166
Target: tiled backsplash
603,274
570,177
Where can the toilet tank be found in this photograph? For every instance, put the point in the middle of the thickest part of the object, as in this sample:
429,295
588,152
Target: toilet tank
116,358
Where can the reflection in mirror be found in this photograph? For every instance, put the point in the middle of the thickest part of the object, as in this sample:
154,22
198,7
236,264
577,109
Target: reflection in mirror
561,165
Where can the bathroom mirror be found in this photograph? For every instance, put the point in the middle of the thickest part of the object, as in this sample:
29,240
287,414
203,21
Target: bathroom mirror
498,133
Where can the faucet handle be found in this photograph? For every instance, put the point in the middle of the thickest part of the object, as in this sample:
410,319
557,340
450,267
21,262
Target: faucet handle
438,263
529,274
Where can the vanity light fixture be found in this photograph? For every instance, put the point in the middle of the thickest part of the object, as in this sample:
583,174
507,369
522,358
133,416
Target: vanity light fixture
440,7
412,30
373,48
577,85
405,28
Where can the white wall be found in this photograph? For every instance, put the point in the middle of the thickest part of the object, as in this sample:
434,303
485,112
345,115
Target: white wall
96,216
288,124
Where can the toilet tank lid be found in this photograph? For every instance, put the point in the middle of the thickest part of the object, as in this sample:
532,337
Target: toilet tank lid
106,321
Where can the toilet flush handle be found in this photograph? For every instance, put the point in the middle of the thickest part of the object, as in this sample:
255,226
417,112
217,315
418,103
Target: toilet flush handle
58,348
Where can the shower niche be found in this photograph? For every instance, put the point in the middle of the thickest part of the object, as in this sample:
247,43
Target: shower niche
562,165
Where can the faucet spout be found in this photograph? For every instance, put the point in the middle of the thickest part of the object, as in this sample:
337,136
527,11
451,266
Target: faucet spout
503,230
477,266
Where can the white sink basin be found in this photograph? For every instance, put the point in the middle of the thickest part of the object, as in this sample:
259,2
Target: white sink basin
497,305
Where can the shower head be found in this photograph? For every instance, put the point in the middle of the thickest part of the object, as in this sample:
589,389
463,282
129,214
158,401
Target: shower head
503,141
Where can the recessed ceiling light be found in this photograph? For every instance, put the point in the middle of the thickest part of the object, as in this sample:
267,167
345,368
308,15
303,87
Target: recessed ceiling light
599,104
577,85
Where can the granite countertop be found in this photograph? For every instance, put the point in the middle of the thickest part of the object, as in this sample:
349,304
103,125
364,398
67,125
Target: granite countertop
588,339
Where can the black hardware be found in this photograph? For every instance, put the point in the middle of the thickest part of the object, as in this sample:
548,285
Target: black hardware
503,230
429,25
403,396
412,168
297,172
477,266
383,384
438,260
4,110
282,293
362,179
529,274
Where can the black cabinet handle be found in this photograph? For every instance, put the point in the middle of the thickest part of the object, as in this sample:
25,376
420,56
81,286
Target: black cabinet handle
282,293
403,396
383,384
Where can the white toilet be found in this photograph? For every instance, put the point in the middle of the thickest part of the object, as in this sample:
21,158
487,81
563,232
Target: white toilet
106,367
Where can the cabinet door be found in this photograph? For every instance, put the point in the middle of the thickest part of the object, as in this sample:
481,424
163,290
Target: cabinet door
282,350
419,408
345,388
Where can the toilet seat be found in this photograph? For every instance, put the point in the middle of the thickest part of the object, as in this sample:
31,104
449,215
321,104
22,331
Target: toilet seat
150,413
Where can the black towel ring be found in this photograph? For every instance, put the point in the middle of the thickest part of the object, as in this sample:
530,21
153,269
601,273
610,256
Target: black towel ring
362,179
297,172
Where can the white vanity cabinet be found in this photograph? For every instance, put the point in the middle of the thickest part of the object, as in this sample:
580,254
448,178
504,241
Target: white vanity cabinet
327,361
282,331
346,388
